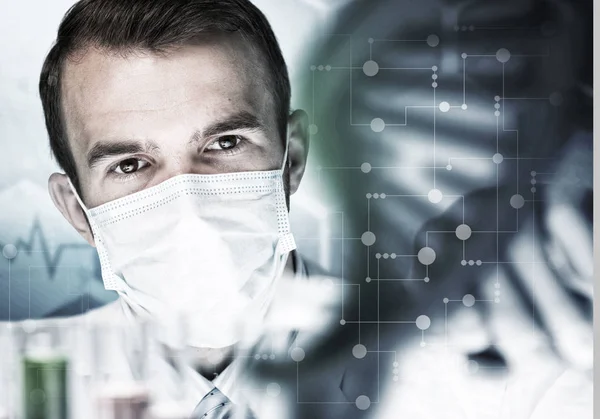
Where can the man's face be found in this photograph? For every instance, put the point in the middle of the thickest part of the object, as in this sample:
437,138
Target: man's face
135,120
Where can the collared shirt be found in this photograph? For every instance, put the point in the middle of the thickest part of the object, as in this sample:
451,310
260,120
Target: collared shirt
178,387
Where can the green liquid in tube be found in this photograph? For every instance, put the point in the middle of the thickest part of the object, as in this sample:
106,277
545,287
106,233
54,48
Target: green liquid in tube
45,387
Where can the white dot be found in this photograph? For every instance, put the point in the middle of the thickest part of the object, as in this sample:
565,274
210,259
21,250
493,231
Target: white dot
393,256
426,256
368,238
464,106
37,396
472,367
471,262
9,251
463,262
517,201
468,300
265,357
321,67
426,279
497,98
363,402
378,255
434,85
533,190
497,158
435,196
342,322
371,40
313,129
359,351
449,167
433,40
556,99
463,232
434,76
478,262
423,322
370,68
464,55
273,389
369,196
313,67
328,68
434,68
497,113
297,354
496,300
385,256
368,279
503,55
497,106
445,300
365,167
377,125
376,195
382,196
444,106
533,173
395,364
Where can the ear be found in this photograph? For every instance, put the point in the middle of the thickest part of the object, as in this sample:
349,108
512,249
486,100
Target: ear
298,140
64,199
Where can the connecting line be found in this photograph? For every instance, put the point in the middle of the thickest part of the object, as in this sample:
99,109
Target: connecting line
399,40
342,268
313,97
498,223
434,136
368,214
533,264
464,80
9,298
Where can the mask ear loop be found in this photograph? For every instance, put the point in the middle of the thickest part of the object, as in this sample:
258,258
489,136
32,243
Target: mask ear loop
285,155
105,271
83,207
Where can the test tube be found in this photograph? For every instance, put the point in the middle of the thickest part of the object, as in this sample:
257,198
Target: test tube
119,371
44,365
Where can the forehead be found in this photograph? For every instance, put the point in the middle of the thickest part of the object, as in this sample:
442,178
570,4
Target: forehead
138,94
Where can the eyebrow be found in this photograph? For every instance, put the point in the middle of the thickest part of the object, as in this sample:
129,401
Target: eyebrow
241,120
103,150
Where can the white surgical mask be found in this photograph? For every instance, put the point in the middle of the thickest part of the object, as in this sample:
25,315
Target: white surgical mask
209,247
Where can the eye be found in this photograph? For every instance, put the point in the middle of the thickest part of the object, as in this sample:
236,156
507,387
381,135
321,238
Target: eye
129,166
225,143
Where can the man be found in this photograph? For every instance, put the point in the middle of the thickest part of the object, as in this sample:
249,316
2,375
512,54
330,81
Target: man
172,122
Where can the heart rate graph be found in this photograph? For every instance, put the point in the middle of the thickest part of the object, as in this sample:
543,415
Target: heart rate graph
45,264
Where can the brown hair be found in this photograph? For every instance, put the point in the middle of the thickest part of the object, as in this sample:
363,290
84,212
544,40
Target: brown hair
155,26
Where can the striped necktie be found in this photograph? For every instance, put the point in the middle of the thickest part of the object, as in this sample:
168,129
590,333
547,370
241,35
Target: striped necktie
215,405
